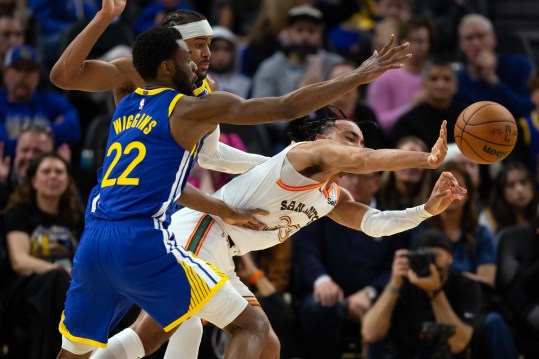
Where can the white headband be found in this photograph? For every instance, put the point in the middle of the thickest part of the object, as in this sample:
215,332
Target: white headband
195,29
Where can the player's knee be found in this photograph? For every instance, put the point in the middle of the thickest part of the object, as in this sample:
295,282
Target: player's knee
272,347
260,325
71,349
151,335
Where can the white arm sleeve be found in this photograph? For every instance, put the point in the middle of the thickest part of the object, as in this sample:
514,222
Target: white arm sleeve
376,223
217,156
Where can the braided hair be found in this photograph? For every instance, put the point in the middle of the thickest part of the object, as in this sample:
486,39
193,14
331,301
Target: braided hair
317,123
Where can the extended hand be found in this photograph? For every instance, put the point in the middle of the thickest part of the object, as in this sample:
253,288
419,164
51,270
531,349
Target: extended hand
389,58
113,8
439,150
445,191
246,218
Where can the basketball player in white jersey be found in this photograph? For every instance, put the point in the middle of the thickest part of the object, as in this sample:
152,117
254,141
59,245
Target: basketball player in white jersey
297,187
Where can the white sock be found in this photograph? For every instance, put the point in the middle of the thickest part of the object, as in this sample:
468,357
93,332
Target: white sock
185,341
124,345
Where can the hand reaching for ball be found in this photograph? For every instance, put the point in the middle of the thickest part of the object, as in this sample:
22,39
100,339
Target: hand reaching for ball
439,150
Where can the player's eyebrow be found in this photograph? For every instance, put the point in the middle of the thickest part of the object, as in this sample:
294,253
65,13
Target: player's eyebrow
351,133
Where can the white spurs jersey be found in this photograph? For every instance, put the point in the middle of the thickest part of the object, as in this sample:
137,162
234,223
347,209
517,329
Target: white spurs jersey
293,201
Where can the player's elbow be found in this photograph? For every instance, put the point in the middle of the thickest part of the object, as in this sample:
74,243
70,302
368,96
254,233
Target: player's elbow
59,78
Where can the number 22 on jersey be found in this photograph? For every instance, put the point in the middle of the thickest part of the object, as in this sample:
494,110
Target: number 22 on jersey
124,179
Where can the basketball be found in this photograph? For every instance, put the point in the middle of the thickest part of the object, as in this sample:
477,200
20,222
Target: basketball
486,132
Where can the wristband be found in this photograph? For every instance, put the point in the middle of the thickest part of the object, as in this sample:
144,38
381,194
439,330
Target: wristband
433,294
255,277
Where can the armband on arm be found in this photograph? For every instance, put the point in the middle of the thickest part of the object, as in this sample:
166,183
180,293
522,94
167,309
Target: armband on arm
377,223
217,156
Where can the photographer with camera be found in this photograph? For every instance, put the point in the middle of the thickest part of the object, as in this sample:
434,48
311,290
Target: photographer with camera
423,291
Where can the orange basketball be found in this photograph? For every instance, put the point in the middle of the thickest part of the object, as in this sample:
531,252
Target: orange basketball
486,132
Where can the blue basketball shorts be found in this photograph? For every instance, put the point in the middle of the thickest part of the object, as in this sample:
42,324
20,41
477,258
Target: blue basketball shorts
133,261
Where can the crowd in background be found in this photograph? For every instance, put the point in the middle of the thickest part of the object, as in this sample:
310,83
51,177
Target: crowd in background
329,292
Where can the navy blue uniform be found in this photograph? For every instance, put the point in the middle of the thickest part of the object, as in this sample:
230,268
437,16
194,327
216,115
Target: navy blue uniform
126,254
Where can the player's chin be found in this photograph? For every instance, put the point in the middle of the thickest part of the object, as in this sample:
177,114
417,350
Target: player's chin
202,75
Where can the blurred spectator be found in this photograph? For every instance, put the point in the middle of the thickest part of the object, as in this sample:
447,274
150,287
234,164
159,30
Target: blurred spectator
225,64
42,224
473,245
529,131
405,188
488,75
518,275
399,10
54,18
339,274
11,32
474,254
272,18
473,169
264,35
443,296
238,15
21,103
386,17
424,121
513,199
33,141
154,13
446,15
303,61
395,92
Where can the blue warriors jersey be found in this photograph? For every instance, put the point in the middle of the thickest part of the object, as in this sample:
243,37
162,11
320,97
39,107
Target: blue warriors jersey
144,170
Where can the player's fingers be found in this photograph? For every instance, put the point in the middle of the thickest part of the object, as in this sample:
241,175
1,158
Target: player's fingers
392,61
388,45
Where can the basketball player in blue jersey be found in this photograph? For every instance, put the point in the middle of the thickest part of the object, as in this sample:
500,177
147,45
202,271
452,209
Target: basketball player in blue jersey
73,71
128,210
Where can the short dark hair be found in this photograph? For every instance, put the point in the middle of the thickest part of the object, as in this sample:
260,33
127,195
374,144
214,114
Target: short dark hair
153,47
182,17
438,61
415,23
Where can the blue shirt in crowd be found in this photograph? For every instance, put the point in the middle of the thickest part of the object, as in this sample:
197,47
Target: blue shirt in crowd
47,109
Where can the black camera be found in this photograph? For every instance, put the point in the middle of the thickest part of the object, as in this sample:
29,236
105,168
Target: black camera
435,340
420,260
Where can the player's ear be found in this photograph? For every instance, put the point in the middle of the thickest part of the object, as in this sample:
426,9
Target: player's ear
166,66
319,136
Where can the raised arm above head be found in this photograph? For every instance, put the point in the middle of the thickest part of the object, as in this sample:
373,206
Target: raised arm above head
73,71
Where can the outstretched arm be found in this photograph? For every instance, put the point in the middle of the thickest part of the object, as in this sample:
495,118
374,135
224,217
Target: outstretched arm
348,159
377,223
73,71
217,156
221,107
